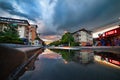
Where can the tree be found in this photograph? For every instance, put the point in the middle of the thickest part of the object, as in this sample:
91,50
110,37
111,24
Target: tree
10,35
67,39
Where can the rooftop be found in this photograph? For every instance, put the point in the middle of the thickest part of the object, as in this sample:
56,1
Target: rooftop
83,29
16,21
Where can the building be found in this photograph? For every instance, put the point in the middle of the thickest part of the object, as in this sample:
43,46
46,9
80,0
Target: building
107,36
32,34
103,29
83,37
22,27
34,37
111,37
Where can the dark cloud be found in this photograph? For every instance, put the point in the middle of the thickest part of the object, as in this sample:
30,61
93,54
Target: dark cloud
59,15
48,32
30,11
6,6
86,13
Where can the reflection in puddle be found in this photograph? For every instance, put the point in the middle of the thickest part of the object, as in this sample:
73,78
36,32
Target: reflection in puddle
81,56
108,58
74,65
84,56
88,56
50,55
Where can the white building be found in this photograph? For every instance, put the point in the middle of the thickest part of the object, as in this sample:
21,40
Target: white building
83,36
23,31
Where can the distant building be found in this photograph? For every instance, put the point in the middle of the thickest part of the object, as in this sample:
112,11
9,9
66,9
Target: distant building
32,34
34,37
22,25
83,37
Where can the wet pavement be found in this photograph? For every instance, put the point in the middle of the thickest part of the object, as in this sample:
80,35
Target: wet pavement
74,65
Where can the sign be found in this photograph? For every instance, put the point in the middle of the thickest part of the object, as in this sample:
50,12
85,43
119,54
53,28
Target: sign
111,32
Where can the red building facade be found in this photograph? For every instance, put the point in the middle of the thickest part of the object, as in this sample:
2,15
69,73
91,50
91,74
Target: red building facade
110,38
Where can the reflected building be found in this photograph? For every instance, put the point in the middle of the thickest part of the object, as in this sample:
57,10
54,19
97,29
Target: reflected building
84,57
108,57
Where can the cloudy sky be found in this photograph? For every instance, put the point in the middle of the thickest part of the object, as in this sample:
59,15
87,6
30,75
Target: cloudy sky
56,16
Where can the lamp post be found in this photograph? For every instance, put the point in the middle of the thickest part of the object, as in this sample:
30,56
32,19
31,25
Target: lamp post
69,41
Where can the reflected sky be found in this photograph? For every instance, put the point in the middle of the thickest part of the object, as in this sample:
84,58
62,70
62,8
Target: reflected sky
72,65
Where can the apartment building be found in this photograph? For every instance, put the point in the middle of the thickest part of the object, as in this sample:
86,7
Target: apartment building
22,26
83,37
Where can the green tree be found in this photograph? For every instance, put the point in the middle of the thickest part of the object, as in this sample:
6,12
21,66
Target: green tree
10,35
67,38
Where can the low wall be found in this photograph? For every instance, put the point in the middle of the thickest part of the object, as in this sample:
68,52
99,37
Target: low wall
11,58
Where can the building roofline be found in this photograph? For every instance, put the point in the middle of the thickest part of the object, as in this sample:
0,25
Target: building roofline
83,29
108,25
13,20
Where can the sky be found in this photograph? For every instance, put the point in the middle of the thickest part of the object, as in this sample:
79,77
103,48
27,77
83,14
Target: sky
53,17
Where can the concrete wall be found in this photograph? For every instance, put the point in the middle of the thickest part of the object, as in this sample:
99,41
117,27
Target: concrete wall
11,58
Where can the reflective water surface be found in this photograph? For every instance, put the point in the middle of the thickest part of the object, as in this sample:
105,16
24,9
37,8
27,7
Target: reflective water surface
74,65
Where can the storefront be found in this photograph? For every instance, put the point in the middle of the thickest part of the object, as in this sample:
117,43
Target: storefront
110,38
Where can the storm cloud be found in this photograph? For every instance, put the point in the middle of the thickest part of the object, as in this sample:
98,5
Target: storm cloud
73,15
53,17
